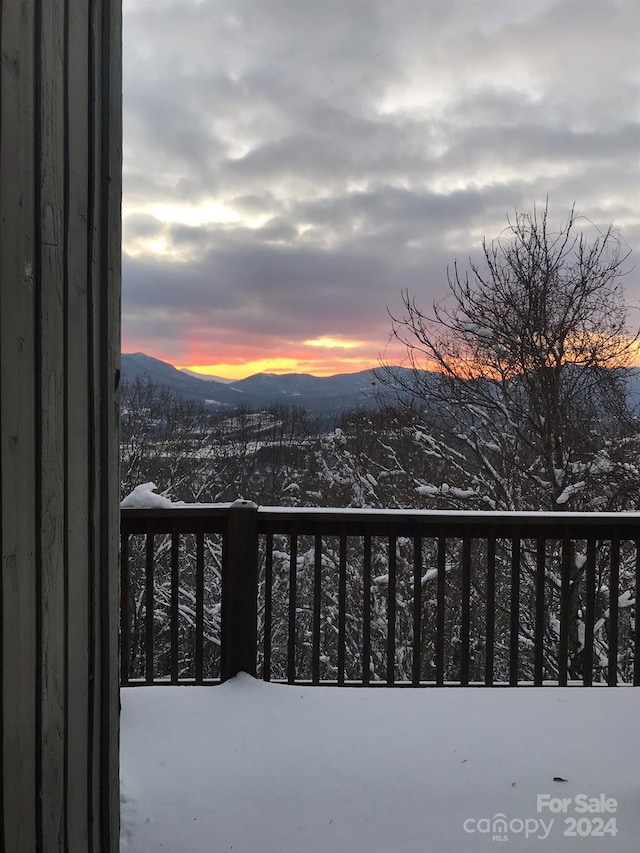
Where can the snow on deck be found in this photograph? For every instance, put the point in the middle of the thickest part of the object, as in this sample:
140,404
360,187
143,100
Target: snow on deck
266,768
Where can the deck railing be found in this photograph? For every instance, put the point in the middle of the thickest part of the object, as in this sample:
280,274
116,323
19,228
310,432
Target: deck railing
366,597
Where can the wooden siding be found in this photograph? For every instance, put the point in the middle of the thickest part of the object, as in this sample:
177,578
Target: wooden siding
60,168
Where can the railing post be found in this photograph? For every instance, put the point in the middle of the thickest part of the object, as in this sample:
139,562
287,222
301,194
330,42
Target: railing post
239,617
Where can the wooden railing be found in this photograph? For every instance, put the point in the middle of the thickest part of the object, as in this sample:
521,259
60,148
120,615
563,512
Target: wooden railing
366,597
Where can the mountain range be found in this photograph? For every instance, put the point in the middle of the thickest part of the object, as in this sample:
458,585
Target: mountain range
316,394
319,395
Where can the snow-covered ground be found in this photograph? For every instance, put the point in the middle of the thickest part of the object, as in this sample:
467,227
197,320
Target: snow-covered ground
266,768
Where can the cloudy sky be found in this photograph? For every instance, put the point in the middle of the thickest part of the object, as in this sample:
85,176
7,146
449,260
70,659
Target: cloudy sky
290,166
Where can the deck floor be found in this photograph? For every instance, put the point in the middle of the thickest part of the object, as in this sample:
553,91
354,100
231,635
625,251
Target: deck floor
261,768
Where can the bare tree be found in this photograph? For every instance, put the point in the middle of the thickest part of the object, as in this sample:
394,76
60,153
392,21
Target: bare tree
164,437
521,373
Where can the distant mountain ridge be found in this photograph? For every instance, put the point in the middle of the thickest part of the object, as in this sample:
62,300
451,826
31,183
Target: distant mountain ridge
318,394
206,376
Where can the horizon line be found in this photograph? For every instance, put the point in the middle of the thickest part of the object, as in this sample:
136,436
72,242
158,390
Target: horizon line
215,375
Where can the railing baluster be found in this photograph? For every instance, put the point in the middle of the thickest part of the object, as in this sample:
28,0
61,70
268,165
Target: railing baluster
175,593
317,600
268,607
465,628
293,577
417,611
565,593
636,619
490,627
612,628
590,609
366,611
149,600
442,545
125,617
391,612
342,605
514,626
199,650
538,641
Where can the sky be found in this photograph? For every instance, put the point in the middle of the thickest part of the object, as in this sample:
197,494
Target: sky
291,166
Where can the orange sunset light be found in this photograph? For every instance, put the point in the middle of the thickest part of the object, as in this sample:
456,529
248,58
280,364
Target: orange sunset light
321,356
283,364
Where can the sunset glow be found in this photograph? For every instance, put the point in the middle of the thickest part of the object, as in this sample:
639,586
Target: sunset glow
332,343
317,367
235,358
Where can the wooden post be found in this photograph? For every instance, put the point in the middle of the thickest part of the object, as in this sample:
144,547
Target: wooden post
240,591
60,168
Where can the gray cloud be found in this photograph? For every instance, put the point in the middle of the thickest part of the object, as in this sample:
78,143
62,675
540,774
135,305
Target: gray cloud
348,150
